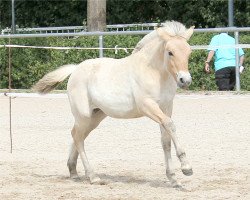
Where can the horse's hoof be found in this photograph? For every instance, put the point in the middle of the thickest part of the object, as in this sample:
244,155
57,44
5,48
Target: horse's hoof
176,185
95,180
187,171
74,176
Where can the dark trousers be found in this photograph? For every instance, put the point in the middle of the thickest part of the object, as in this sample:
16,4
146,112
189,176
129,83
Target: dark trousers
225,78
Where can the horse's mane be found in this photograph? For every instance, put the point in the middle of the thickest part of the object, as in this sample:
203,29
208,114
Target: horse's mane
173,28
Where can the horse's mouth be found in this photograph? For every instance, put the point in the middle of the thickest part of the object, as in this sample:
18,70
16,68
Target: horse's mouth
183,86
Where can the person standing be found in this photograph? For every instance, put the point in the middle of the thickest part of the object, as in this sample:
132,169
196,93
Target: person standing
224,61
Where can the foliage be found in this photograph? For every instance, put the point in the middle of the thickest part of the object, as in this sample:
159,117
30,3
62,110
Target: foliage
29,65
44,13
245,77
201,13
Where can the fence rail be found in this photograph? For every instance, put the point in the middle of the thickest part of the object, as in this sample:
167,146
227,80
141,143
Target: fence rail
97,33
76,29
110,28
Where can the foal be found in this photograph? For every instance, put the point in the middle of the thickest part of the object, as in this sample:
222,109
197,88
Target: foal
142,84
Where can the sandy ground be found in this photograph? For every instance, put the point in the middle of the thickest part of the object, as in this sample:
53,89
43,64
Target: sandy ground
127,154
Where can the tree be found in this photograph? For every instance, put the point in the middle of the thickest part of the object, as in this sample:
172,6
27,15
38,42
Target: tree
96,15
201,13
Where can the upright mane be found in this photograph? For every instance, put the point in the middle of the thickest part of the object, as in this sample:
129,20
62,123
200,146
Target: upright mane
172,28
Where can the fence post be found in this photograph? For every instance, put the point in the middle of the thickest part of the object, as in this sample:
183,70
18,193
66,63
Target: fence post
100,46
13,24
237,71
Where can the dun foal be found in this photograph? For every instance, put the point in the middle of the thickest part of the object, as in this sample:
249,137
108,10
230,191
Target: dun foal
142,84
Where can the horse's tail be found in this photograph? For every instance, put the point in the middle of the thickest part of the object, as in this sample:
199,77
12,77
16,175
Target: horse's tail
52,79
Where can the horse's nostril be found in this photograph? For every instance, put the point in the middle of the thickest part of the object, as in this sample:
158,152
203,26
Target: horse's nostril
181,80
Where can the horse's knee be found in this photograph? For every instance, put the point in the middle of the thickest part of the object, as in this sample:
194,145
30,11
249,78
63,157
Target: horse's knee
79,132
169,125
74,135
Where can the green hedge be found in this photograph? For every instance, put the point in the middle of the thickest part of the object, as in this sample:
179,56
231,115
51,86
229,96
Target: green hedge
29,65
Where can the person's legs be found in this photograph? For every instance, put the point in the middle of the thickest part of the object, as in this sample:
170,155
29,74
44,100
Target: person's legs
222,78
232,78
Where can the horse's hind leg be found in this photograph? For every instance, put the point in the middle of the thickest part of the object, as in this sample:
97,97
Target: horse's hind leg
80,131
72,161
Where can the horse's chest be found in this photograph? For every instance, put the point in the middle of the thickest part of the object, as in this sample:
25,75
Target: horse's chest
166,93
165,98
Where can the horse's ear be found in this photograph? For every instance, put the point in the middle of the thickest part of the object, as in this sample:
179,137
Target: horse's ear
163,34
189,32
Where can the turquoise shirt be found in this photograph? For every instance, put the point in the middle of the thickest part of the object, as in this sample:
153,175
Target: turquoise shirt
224,57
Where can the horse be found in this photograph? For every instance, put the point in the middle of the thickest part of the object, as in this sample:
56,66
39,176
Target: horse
142,84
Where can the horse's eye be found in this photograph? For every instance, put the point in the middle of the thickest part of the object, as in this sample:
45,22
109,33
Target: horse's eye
170,53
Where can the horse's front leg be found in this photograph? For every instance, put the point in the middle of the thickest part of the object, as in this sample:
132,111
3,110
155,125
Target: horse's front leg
152,110
166,146
169,126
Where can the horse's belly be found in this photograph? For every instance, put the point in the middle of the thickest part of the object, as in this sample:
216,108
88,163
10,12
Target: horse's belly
122,114
119,110
115,105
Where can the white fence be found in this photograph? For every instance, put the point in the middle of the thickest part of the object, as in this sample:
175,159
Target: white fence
76,29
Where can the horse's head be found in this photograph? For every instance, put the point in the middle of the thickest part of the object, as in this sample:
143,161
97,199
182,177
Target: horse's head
177,52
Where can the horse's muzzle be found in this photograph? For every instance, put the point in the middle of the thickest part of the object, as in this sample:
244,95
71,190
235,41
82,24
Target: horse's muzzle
184,79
